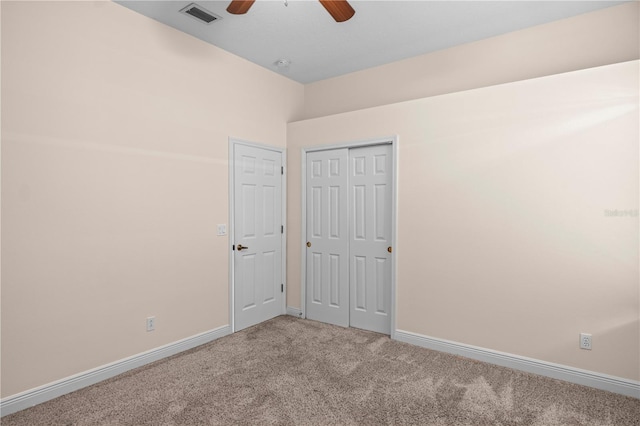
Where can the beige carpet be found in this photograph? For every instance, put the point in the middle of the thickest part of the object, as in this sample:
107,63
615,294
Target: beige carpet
298,372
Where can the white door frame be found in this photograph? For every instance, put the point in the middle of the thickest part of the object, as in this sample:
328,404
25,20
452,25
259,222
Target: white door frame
232,143
393,141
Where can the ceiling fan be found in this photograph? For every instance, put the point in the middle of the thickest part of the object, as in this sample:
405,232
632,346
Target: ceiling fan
340,10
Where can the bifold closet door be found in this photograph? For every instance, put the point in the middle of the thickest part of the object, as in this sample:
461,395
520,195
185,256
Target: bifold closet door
348,253
370,202
327,252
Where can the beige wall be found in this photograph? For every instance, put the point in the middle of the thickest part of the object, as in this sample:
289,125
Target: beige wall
599,38
114,176
503,242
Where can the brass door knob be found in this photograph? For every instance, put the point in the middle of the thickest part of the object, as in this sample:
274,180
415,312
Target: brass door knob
241,247
308,243
389,249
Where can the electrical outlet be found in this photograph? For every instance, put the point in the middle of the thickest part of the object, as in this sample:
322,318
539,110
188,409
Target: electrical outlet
151,323
585,341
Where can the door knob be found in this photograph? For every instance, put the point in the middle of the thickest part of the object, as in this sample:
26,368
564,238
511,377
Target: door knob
389,249
241,247
308,243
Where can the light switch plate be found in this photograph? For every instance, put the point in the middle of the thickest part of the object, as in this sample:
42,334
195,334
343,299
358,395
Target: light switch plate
222,229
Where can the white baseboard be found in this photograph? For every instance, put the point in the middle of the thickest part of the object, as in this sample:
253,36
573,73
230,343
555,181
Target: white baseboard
294,312
61,387
556,371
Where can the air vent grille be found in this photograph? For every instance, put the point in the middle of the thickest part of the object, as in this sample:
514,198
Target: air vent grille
200,13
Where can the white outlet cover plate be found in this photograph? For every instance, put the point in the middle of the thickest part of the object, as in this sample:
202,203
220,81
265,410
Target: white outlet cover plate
585,341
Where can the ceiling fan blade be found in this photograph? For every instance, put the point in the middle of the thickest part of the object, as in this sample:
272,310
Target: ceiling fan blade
341,10
239,7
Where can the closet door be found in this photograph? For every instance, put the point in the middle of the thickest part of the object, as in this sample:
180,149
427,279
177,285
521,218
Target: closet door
327,252
370,202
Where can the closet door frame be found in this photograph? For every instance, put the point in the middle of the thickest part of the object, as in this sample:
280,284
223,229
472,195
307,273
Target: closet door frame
393,141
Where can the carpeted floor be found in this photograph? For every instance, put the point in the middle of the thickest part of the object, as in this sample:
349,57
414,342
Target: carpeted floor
297,372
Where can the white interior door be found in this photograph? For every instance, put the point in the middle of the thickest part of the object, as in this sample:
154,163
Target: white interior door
348,256
327,269
370,237
258,235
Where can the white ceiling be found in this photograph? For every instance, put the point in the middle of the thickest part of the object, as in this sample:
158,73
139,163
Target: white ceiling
380,32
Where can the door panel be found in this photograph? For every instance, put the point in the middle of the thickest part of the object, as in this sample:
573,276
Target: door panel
370,236
258,217
248,278
327,272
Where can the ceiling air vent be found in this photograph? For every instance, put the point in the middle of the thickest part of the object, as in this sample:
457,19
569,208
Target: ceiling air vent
200,13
